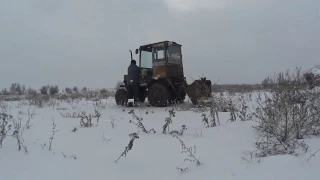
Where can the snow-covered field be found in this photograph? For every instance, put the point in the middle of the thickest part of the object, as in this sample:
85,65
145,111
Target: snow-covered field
224,152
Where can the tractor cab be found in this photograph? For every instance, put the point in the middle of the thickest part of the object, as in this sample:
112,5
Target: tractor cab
160,60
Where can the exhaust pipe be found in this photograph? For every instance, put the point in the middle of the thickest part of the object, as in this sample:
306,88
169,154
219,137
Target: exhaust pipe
131,54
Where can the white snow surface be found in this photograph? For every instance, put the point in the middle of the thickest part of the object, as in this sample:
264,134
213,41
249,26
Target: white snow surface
224,151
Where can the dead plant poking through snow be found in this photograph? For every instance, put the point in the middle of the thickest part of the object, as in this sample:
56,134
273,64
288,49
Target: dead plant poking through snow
7,124
214,109
100,105
233,111
182,130
5,127
214,114
86,120
97,114
212,122
17,134
168,121
112,122
31,115
133,136
54,131
139,124
243,113
191,151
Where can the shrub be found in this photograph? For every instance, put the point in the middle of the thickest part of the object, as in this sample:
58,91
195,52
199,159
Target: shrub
286,113
75,89
44,90
53,90
84,90
68,90
31,91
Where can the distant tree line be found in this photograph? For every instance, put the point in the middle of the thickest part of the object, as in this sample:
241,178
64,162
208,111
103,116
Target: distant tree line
19,89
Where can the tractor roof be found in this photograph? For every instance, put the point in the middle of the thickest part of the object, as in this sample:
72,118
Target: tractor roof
148,45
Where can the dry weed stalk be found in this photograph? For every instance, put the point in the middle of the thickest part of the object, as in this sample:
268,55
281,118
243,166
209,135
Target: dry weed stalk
180,133
313,154
214,109
5,127
4,107
242,113
104,139
191,151
99,104
86,120
72,156
112,122
18,134
139,124
233,111
133,136
72,115
168,121
97,114
30,115
54,131
197,134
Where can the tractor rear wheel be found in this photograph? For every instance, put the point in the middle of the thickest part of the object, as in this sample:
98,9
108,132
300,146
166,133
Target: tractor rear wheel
121,97
158,95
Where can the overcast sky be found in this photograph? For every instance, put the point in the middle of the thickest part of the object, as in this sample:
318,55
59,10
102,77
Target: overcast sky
86,42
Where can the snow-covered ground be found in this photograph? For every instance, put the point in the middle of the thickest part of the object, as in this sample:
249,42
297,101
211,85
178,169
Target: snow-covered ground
90,153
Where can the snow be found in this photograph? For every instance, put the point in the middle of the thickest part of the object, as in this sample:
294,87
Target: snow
224,151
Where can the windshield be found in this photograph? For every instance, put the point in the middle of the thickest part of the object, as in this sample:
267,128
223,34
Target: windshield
174,54
146,59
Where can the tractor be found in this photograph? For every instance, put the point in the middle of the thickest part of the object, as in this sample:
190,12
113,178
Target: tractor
162,79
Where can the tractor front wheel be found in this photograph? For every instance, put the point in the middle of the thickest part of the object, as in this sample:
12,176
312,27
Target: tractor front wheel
121,97
181,97
158,95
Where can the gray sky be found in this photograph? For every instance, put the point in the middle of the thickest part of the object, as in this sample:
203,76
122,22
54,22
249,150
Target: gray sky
86,42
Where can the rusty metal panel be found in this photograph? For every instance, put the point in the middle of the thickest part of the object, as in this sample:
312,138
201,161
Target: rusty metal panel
159,71
174,70
159,63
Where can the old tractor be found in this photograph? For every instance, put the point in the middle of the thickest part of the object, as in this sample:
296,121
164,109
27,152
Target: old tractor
162,78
